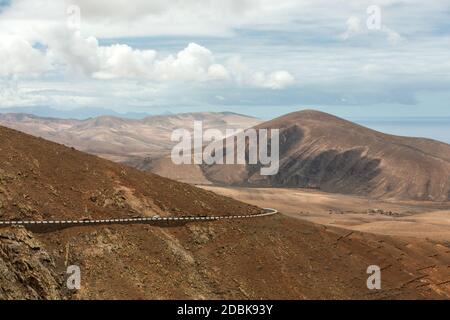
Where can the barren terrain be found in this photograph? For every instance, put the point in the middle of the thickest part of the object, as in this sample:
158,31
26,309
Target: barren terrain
418,219
276,257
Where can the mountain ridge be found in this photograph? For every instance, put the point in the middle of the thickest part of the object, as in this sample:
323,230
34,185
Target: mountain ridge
120,139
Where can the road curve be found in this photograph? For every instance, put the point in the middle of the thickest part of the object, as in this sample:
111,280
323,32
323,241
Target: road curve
268,212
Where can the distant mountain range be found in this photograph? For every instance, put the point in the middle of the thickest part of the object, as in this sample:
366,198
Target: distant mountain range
77,113
122,139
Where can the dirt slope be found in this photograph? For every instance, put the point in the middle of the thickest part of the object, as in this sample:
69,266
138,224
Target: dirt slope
41,179
273,257
318,150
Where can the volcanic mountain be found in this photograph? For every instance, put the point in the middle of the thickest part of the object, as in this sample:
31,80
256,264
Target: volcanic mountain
321,151
269,257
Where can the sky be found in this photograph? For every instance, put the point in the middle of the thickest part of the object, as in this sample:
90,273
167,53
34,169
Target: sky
353,58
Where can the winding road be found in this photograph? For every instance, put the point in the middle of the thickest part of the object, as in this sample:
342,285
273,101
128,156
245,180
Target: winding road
268,212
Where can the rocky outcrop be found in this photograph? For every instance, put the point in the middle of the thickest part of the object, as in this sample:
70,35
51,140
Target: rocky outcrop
26,270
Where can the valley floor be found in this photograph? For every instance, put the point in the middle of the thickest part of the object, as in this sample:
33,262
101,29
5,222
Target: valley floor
425,220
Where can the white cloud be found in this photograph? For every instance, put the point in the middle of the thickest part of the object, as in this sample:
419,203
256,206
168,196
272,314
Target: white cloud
274,80
70,50
191,64
298,36
117,18
271,80
218,72
121,61
45,22
18,57
194,63
279,80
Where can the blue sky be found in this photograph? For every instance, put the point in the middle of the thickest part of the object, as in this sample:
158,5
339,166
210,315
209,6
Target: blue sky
258,57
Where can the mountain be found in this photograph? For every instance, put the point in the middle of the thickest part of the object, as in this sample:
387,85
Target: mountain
121,139
321,151
271,257
76,113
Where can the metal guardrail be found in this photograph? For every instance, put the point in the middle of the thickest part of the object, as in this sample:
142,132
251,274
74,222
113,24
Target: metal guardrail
134,220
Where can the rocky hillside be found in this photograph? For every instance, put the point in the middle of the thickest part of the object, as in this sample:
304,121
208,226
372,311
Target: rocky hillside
27,271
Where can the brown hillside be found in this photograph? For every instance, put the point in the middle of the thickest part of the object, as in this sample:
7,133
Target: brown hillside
318,150
43,180
273,257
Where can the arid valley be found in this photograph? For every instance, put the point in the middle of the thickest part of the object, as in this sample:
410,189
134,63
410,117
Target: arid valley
422,220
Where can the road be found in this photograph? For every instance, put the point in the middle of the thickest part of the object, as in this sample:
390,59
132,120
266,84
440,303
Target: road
268,212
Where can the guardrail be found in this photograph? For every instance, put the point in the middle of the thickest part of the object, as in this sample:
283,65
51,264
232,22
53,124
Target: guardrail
134,220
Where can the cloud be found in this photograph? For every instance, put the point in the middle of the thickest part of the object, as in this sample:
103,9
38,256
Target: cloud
280,80
66,51
273,80
240,47
69,50
245,76
18,57
116,18
194,63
